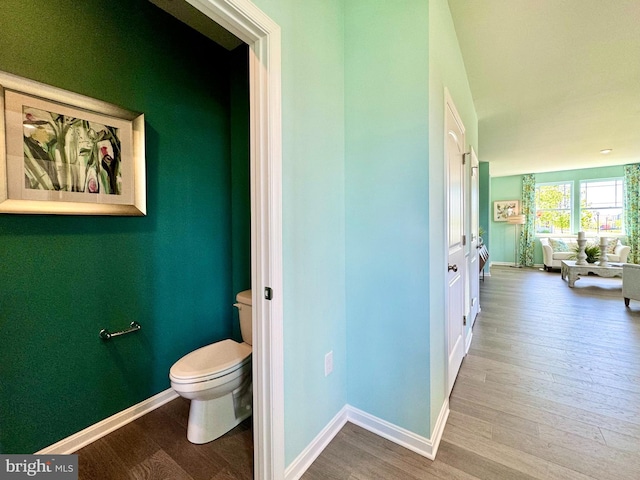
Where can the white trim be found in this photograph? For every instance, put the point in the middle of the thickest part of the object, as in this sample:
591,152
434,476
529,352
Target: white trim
510,264
301,464
98,430
405,438
427,447
250,24
449,106
469,337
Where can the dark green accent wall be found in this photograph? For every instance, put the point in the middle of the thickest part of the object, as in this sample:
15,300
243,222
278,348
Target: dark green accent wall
176,271
240,176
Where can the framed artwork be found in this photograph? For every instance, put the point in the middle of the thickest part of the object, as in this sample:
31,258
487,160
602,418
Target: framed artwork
504,209
64,153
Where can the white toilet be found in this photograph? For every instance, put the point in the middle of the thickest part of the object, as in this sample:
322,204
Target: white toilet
217,380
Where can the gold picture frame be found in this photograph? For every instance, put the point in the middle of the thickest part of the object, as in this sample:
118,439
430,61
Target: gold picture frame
65,153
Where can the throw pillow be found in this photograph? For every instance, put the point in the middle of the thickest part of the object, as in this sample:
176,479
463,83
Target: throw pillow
558,245
611,247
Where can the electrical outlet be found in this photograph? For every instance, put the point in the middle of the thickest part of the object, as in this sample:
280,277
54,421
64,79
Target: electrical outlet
328,363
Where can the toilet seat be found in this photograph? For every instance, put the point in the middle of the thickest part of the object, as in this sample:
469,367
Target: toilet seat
211,362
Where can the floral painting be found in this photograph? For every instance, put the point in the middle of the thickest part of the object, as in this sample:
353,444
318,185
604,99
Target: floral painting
63,153
504,209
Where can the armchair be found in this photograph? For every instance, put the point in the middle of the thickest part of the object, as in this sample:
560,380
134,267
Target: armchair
630,282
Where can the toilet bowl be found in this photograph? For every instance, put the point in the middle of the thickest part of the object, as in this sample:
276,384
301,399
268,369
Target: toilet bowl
217,380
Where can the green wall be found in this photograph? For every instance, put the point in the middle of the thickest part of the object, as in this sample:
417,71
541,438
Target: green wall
484,202
313,213
502,234
62,279
363,245
387,171
446,70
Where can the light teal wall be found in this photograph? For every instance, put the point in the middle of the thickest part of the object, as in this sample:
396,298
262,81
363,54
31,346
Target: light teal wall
63,278
503,234
387,162
313,213
357,190
485,202
510,188
446,70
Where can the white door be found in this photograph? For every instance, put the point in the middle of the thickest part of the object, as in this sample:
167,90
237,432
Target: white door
454,151
474,270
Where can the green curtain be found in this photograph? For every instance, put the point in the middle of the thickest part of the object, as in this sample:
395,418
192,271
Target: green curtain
632,210
528,232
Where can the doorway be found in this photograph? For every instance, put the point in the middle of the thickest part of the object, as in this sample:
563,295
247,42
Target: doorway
244,20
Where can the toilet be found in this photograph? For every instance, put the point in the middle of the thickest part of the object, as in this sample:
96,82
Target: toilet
217,380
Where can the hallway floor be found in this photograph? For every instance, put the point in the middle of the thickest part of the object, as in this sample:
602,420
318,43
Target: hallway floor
550,390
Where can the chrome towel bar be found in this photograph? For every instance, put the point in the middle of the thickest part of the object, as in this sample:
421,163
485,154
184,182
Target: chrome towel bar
106,335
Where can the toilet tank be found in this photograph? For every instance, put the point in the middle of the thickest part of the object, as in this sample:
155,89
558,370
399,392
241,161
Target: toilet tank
244,311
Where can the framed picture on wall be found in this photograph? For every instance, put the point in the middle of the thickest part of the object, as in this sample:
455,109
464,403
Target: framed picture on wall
64,153
504,209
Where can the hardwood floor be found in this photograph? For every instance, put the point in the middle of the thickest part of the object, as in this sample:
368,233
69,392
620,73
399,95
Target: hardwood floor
155,447
550,390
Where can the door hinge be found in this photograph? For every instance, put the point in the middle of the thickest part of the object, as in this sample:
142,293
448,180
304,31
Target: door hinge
268,293
464,158
464,320
464,240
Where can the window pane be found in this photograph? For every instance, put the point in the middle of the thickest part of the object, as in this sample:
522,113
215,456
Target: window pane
601,203
553,208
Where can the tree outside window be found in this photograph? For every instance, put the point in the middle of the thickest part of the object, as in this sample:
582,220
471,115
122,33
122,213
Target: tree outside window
553,208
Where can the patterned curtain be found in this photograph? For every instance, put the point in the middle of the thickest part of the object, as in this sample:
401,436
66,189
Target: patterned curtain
632,210
528,232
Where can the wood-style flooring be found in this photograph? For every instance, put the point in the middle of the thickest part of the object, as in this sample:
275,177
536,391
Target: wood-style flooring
155,447
550,390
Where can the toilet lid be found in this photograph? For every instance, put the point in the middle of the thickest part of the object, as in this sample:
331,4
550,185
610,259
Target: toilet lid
211,361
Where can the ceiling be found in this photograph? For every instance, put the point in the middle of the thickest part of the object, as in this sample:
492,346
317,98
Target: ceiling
553,81
197,20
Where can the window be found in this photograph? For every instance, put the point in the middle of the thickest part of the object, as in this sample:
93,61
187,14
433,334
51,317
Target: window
553,208
601,206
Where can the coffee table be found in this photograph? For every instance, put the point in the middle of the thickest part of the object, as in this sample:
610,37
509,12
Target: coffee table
572,272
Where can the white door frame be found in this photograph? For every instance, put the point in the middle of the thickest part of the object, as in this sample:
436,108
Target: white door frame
450,106
250,24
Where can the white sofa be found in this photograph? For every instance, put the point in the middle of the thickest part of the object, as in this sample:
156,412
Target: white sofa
552,258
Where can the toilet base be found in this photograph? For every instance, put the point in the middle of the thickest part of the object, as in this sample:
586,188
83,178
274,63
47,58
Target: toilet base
210,419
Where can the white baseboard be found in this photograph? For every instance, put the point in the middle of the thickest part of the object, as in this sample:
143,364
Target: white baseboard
94,432
300,465
510,264
438,430
426,447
